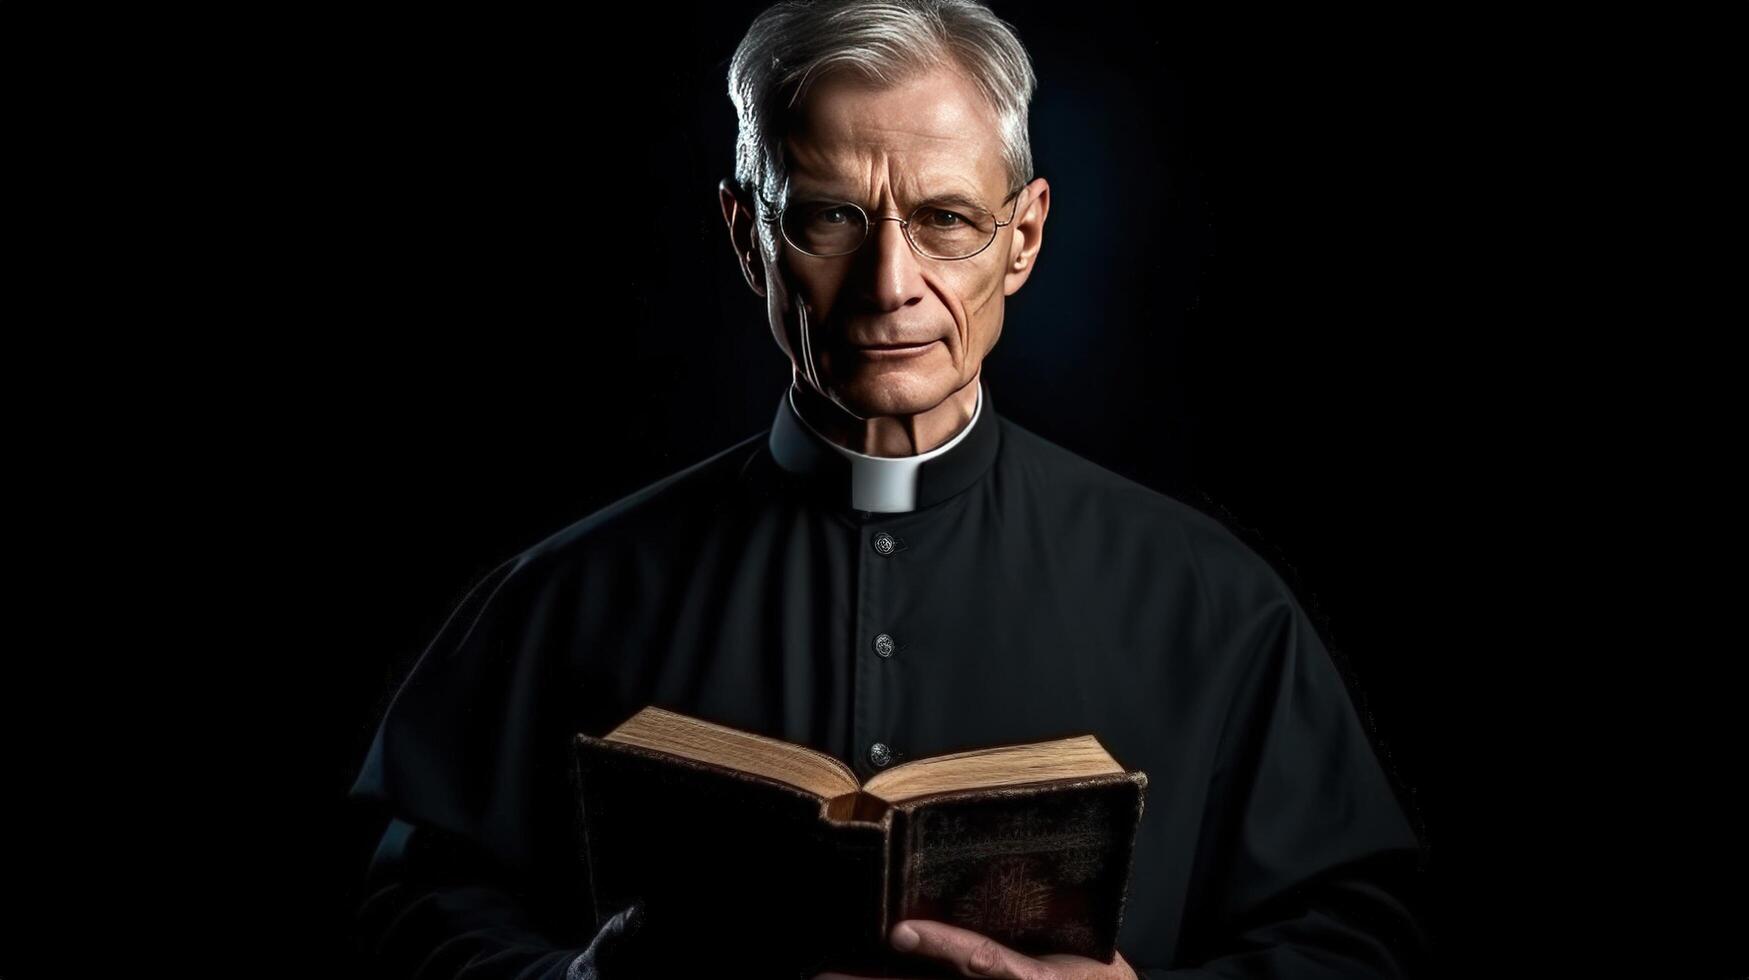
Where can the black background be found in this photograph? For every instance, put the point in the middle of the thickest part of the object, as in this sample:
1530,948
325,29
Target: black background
1312,272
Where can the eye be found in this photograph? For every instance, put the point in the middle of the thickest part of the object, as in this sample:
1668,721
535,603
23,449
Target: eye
830,214
936,217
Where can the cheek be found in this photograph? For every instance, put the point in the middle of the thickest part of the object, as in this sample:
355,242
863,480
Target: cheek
817,288
982,309
777,304
789,290
781,296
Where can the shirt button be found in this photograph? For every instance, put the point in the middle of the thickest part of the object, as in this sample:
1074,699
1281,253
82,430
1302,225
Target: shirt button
883,645
883,543
879,754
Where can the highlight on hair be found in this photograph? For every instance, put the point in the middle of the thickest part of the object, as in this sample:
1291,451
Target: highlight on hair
794,43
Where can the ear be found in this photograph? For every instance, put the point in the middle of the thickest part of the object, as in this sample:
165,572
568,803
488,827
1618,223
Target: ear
1026,234
740,215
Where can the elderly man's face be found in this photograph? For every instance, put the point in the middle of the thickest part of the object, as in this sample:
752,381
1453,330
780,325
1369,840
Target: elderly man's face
889,150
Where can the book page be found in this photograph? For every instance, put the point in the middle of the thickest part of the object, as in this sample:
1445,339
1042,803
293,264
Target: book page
1007,765
704,741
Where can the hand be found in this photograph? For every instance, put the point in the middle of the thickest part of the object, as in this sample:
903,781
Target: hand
978,956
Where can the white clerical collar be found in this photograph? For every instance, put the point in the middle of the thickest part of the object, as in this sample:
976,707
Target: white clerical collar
880,484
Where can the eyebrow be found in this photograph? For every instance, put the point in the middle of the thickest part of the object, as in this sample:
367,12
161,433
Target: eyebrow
945,197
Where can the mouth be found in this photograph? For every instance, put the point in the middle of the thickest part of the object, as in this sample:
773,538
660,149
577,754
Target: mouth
891,352
917,345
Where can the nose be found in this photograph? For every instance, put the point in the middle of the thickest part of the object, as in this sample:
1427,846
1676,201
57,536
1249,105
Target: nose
893,280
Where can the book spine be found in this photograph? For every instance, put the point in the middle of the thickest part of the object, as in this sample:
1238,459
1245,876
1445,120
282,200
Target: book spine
853,869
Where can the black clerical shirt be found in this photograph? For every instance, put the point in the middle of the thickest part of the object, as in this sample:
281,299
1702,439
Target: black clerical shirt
996,591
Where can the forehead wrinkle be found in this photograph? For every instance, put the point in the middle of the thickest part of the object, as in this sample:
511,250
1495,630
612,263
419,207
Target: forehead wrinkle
938,117
869,140
868,133
924,184
859,129
923,108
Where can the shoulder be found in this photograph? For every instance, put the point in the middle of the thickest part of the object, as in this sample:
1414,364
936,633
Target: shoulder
512,612
1157,532
1077,486
669,507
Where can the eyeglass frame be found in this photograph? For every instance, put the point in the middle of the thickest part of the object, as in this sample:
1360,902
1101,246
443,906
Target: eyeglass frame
904,228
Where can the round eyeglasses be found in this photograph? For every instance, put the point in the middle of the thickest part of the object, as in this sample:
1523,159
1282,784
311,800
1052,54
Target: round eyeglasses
946,228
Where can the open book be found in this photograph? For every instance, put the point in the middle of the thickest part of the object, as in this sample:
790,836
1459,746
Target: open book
726,834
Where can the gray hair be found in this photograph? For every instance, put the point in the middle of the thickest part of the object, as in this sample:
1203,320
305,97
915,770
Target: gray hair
793,43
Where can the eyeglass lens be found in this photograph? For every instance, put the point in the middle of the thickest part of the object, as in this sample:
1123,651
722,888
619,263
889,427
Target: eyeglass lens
945,231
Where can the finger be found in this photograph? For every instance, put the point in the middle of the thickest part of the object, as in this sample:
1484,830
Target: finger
1081,966
973,954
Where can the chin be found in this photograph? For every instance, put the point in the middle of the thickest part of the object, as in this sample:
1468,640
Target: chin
888,391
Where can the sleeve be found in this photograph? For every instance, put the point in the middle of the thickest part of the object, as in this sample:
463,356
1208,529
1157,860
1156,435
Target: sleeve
1307,867
479,874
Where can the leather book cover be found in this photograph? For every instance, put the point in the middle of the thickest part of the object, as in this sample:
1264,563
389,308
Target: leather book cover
735,870
739,871
1040,868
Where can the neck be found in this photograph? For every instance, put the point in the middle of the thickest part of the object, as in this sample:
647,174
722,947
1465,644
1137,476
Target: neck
888,435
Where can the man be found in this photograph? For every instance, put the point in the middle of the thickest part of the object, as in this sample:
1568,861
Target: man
892,571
